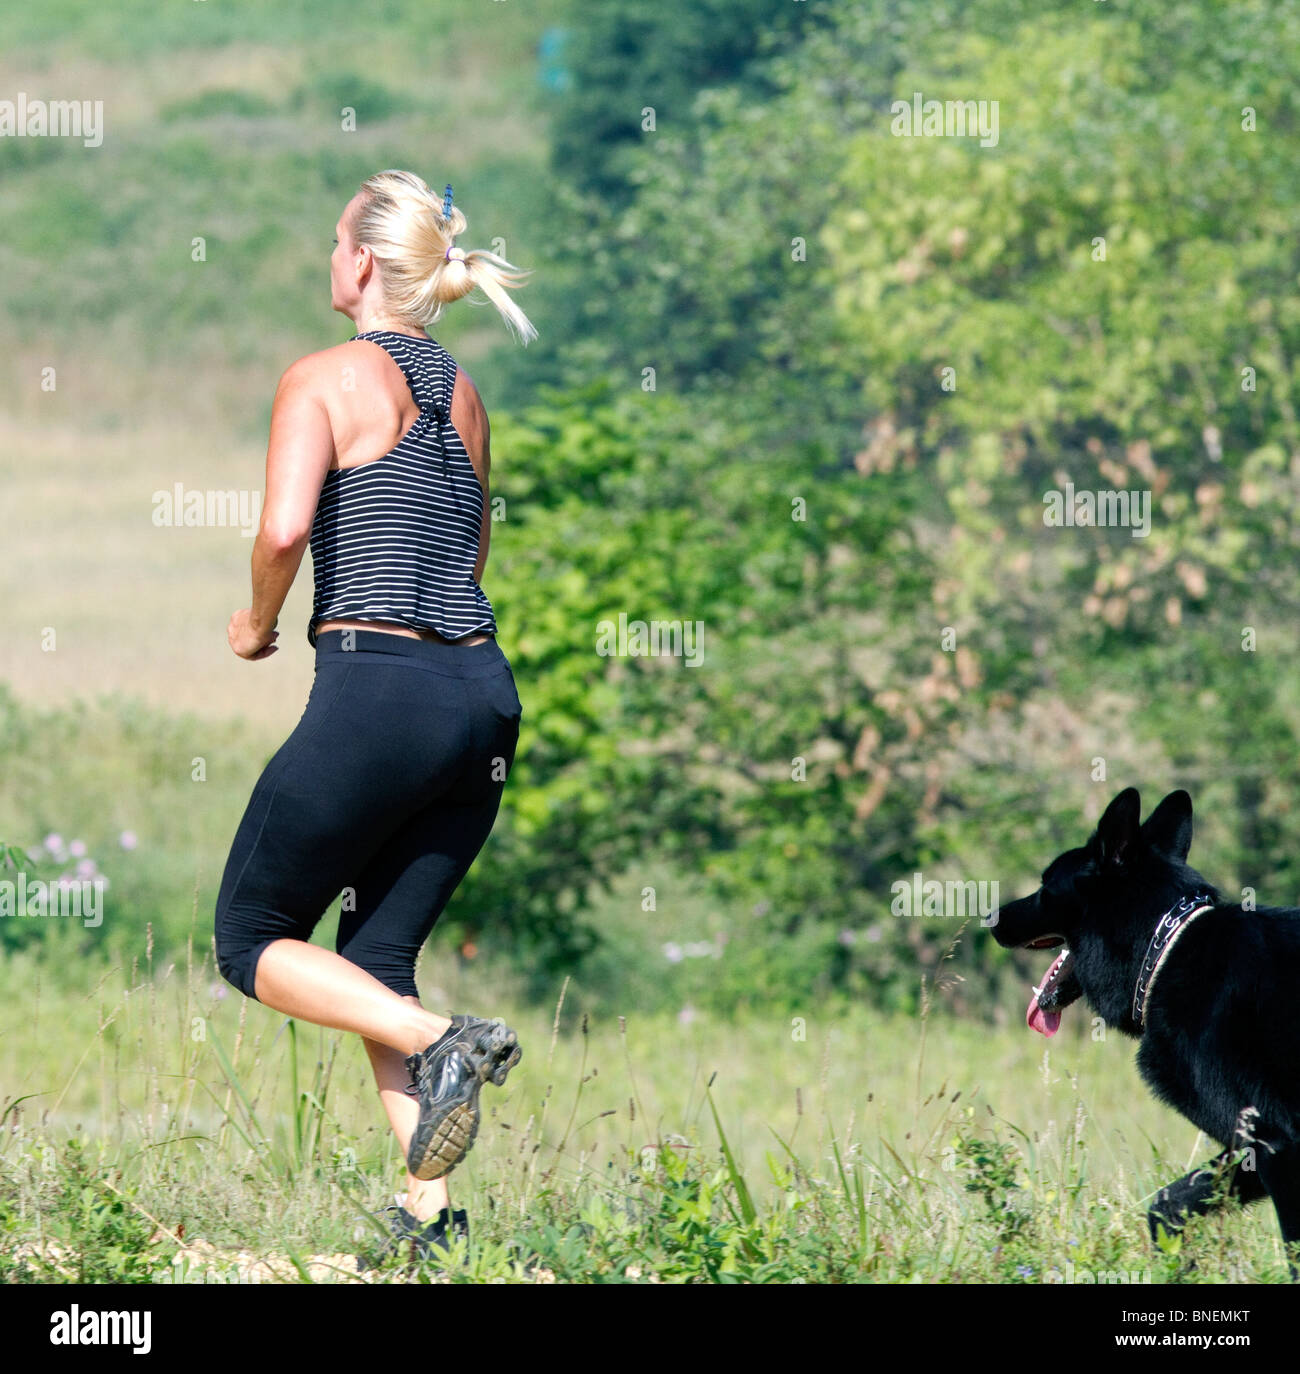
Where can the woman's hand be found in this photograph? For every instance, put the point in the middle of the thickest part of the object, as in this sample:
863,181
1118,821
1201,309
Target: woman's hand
246,641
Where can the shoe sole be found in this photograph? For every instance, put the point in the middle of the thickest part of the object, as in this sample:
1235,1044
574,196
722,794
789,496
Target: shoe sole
439,1144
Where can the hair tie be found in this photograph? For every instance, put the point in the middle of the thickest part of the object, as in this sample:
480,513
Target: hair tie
454,255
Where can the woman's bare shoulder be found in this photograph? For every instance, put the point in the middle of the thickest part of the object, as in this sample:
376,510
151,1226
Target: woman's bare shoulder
326,362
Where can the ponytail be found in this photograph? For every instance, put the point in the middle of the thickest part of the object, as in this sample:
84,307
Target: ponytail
411,233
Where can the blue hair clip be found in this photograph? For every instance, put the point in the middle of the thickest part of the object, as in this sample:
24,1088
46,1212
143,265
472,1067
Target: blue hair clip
446,204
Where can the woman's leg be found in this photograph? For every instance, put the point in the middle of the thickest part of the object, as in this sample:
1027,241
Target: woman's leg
397,900
425,1198
313,984
373,732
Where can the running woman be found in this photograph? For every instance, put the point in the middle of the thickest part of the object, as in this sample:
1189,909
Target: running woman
389,785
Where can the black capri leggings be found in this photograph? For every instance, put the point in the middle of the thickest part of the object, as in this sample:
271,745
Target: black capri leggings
384,792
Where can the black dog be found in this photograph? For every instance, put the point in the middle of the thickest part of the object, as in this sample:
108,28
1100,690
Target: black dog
1205,985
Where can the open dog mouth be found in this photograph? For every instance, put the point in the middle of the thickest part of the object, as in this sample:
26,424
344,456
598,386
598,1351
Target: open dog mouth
1044,1014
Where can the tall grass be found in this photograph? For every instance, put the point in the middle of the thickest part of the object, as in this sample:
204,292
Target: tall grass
157,1128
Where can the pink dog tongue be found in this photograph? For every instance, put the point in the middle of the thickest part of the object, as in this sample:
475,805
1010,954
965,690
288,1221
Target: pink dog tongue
1045,1022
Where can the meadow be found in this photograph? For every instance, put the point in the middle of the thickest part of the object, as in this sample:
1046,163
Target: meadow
157,1128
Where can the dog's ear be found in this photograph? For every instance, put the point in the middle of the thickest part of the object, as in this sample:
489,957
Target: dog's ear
1118,827
1169,826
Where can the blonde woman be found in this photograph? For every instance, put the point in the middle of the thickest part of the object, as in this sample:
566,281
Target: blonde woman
389,785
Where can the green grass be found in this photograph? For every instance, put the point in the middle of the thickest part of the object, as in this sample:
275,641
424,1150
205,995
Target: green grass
643,1134
159,1128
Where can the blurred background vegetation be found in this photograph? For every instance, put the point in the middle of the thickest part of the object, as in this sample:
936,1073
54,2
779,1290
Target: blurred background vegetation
799,381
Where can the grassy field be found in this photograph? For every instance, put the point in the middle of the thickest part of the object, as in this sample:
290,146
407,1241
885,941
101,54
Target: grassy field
158,1128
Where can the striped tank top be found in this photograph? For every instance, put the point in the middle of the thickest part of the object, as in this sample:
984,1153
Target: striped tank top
397,539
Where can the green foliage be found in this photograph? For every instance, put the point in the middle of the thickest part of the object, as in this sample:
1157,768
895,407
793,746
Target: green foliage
625,57
992,1167
1081,654
677,1220
92,1231
124,771
12,861
1124,372
606,773
286,1150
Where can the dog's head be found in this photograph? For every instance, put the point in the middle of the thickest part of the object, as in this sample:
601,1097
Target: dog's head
1107,887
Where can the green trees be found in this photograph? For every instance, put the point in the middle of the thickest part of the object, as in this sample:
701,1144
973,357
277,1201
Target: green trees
735,764
635,54
921,339
1111,287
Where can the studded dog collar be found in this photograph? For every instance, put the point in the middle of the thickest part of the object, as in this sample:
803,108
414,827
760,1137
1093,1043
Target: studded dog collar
1170,926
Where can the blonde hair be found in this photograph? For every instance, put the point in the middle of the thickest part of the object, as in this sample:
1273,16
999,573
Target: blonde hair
401,222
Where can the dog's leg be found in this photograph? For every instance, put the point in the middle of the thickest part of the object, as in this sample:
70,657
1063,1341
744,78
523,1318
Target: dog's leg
1202,1191
1279,1170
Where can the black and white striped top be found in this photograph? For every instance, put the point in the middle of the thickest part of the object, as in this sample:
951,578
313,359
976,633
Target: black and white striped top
397,539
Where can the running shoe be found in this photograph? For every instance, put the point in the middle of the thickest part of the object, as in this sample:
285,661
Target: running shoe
411,1240
447,1077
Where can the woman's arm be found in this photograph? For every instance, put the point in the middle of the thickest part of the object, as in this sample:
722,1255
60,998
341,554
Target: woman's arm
299,455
